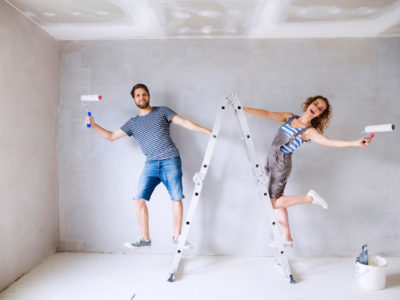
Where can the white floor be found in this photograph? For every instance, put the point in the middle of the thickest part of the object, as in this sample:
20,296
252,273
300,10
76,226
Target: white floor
105,276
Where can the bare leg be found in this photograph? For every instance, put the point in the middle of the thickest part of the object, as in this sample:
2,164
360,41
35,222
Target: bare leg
287,201
280,206
142,215
177,216
283,218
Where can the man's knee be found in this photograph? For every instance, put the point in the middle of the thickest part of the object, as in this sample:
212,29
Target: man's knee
177,204
140,202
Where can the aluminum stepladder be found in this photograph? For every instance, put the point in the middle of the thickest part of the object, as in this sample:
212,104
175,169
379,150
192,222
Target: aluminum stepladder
261,180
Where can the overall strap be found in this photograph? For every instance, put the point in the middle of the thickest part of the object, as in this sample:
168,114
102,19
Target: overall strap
290,119
300,132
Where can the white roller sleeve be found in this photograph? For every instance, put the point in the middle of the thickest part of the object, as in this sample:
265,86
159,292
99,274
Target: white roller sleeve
90,97
379,128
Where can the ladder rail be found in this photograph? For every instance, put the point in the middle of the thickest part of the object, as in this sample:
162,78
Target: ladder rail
198,179
262,183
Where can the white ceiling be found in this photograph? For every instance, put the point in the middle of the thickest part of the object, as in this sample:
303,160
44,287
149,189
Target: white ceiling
167,19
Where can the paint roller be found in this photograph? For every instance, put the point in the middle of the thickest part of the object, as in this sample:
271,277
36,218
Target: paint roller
371,129
86,99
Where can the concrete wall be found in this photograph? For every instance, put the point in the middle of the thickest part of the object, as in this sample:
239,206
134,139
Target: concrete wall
97,178
29,85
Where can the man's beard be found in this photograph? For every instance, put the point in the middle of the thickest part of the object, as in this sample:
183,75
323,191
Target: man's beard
144,105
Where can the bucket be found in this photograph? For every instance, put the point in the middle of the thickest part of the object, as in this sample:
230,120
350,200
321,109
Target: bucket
373,275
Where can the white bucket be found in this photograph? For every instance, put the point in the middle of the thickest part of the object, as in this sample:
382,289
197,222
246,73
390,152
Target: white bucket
373,275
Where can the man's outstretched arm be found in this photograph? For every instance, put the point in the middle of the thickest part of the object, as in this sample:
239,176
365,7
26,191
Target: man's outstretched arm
104,133
178,120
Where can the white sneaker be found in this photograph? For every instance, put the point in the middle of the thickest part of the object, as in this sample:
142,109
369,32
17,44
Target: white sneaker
187,245
317,199
286,243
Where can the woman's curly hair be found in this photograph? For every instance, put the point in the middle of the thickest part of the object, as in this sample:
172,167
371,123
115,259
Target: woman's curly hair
321,122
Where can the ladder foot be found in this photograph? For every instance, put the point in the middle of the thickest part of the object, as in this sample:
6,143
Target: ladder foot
171,277
292,281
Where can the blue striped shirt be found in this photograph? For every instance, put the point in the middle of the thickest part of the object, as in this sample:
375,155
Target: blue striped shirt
153,134
290,132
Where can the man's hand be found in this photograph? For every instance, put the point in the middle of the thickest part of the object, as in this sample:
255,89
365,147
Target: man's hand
89,120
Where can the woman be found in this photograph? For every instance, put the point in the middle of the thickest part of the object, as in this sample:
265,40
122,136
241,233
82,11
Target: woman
291,135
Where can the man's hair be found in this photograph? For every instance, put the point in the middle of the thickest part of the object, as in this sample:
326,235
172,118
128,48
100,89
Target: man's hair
139,86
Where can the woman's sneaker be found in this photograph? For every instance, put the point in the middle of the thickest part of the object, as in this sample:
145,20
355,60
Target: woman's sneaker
286,243
317,199
187,245
140,243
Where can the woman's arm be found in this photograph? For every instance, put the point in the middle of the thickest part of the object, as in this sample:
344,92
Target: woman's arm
263,113
315,136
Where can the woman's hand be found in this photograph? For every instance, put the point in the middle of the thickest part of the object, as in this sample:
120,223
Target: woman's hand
364,142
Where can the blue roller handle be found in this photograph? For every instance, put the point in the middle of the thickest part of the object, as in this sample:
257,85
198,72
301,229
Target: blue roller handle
89,114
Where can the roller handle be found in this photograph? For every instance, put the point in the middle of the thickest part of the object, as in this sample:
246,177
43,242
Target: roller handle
89,115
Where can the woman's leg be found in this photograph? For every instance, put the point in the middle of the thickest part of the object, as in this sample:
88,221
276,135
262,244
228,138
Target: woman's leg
283,218
280,206
287,201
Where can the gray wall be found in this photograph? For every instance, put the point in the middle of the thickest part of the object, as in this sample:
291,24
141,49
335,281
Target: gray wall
97,178
29,85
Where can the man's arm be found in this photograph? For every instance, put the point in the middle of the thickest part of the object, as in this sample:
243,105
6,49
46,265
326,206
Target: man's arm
178,120
104,133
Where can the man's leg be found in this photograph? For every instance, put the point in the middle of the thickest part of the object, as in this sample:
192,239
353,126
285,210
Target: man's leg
171,177
142,215
147,183
177,216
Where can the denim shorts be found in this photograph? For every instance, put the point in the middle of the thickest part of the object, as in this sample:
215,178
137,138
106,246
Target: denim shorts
168,171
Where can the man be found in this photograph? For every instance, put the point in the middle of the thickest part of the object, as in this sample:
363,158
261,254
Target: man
151,128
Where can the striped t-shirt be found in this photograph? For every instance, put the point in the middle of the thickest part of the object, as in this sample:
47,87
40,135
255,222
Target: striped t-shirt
290,132
152,133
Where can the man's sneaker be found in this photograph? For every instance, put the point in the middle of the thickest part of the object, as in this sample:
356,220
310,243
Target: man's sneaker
317,199
187,245
286,243
140,243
